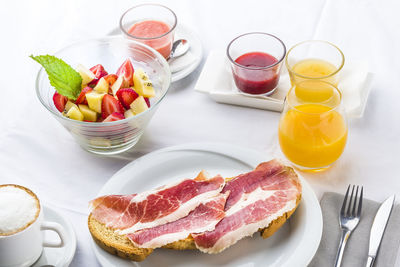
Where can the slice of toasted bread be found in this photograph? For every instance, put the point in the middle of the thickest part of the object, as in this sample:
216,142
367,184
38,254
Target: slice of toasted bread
115,244
121,246
278,222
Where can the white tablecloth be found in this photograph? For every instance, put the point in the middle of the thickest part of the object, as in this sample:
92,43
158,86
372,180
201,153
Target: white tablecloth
35,151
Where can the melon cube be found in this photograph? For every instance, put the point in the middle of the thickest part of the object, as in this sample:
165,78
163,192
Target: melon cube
143,85
139,105
148,90
141,74
102,86
86,74
69,105
117,85
94,100
88,114
100,142
75,114
129,113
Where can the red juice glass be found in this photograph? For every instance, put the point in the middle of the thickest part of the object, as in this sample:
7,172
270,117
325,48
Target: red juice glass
150,24
256,60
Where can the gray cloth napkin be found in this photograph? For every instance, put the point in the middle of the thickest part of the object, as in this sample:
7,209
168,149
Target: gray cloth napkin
357,246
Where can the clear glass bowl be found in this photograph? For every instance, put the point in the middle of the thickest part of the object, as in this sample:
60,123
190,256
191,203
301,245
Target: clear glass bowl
107,138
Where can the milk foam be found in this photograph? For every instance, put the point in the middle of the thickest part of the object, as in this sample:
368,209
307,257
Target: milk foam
17,209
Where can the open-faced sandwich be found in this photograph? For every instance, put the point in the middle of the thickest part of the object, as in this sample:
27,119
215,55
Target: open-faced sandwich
206,213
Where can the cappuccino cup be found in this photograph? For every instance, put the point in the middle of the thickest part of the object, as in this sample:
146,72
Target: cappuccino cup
22,227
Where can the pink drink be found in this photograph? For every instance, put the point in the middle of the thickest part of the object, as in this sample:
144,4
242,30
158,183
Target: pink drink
154,34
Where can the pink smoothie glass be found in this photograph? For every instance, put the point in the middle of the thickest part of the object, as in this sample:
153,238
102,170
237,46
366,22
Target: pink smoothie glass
150,24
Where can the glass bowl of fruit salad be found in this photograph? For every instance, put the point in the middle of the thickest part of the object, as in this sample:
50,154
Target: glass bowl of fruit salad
103,91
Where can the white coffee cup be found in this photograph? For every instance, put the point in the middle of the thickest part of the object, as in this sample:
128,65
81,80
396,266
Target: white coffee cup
24,247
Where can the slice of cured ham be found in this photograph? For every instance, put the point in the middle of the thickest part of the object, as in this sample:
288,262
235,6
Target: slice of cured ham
201,219
256,199
130,213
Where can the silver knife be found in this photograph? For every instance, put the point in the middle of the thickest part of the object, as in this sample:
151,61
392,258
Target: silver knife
378,228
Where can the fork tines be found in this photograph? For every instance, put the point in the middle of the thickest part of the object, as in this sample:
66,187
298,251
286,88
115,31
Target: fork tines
352,206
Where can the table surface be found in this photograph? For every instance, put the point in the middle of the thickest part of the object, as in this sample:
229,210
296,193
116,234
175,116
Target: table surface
37,152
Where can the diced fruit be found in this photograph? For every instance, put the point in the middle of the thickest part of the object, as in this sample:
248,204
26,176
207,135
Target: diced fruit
100,142
102,86
98,71
141,74
117,85
82,96
126,96
126,71
94,100
147,101
110,79
88,114
139,105
59,101
110,105
86,74
75,114
107,97
116,116
69,105
143,85
129,113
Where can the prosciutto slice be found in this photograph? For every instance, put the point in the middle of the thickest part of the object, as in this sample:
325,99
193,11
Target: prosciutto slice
130,213
256,199
201,219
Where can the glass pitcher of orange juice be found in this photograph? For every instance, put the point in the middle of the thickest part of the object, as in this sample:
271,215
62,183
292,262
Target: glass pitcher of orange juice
313,127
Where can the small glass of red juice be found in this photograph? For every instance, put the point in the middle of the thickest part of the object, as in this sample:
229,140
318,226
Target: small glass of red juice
256,60
150,24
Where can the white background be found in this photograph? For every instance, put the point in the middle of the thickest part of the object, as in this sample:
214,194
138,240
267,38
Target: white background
35,151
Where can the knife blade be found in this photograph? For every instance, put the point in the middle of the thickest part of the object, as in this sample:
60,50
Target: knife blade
378,228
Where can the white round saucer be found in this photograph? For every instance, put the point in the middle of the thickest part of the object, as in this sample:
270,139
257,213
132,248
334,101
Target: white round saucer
59,257
194,55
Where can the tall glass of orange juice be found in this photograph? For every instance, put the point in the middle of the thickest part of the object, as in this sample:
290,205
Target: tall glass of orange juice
314,60
312,127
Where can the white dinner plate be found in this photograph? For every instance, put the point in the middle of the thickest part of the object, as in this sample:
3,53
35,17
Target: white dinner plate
58,257
194,54
293,245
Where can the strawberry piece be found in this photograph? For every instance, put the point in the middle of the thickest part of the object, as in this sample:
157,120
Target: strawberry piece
126,70
147,101
99,72
115,116
59,101
110,105
126,96
110,78
82,96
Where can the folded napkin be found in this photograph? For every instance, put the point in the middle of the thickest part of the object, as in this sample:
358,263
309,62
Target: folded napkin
357,246
217,81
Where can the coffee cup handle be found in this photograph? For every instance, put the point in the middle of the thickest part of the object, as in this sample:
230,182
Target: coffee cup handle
52,226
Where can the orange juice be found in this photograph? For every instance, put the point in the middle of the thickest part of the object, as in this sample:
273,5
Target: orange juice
312,135
313,68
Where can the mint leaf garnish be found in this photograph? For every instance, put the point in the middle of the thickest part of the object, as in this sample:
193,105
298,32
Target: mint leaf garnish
62,76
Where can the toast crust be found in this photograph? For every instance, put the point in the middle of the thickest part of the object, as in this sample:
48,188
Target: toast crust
115,244
121,246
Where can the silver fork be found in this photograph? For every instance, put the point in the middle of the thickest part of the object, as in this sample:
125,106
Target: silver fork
349,217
